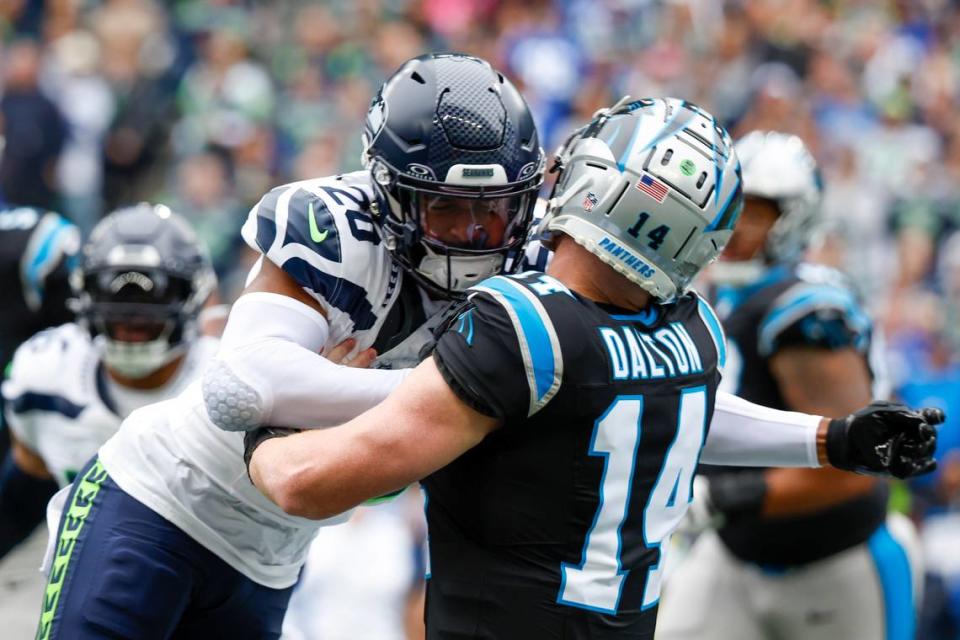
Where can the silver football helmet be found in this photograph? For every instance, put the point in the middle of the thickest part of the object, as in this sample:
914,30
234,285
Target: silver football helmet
779,167
652,187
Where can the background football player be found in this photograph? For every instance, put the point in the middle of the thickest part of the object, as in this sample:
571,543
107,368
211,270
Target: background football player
454,165
800,553
571,408
142,281
37,251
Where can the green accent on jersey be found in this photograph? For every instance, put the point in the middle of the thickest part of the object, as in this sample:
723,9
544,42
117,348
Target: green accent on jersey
8,370
73,520
315,234
687,167
900,499
70,475
387,497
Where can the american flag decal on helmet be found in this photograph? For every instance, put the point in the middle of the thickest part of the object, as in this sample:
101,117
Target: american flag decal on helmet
653,188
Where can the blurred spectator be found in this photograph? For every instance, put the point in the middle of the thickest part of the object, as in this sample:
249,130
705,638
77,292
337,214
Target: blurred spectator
33,128
135,55
84,98
225,95
204,195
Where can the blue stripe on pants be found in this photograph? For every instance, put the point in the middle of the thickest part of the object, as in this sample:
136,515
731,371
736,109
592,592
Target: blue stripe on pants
896,581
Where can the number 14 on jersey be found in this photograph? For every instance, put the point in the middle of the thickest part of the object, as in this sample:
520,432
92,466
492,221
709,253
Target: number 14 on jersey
597,582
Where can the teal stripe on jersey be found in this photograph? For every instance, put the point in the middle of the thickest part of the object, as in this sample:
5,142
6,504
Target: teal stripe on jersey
538,339
896,580
716,332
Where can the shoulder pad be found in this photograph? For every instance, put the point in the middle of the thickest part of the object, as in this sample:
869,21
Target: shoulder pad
41,369
817,315
41,360
320,232
518,298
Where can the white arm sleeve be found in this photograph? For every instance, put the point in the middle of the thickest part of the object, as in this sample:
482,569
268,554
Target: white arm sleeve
744,434
269,371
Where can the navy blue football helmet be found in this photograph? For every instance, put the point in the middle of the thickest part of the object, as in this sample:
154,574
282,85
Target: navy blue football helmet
143,279
455,157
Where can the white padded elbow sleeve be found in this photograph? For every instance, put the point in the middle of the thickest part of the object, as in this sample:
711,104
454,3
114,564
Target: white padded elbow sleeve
237,397
749,435
231,403
269,371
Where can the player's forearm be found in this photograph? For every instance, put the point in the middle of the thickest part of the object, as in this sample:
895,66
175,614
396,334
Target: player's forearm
749,435
829,384
792,492
320,474
23,502
420,428
269,371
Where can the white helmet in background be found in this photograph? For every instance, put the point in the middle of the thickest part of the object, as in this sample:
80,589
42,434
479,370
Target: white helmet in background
779,167
652,187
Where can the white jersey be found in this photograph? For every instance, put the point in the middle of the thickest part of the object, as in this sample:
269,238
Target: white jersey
59,402
173,459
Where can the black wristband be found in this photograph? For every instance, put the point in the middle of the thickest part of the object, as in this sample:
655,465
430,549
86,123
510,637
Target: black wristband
838,447
738,494
255,437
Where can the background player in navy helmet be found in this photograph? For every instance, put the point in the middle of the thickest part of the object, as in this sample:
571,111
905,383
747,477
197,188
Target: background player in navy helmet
799,553
37,251
343,258
560,419
142,280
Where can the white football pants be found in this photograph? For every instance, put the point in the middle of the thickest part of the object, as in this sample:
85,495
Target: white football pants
868,592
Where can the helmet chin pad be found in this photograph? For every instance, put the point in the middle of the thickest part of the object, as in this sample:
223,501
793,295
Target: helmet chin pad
456,273
140,359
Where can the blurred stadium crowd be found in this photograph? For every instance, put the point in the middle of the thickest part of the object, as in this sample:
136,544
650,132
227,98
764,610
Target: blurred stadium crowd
206,104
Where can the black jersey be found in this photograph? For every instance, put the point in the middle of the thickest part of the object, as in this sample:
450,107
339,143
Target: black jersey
37,251
792,305
555,525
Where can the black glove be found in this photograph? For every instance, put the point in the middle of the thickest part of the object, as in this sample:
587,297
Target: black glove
255,437
885,438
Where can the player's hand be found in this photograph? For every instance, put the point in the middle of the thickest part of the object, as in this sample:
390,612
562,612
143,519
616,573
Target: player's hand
885,438
339,355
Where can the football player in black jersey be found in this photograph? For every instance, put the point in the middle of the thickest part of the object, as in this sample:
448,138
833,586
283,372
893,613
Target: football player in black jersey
799,553
37,251
561,417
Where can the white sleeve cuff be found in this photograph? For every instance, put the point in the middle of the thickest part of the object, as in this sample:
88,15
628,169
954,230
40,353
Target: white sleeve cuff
749,435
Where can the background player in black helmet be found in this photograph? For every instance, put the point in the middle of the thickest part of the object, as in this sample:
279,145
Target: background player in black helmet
142,280
571,408
454,165
799,553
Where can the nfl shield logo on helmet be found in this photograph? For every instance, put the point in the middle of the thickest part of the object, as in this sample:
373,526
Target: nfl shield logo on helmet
589,201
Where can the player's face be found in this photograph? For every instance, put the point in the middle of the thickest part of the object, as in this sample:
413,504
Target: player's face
468,223
759,215
135,330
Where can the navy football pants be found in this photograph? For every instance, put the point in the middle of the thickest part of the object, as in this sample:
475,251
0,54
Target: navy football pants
122,571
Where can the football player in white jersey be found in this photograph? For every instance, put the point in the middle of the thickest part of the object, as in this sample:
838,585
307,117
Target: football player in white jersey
143,278
164,535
